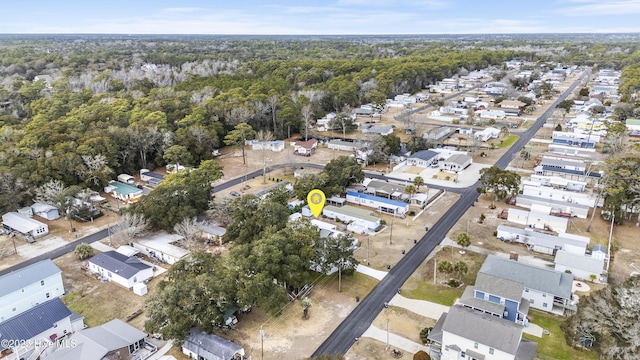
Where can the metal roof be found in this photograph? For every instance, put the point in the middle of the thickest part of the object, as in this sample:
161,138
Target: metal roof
210,346
425,155
486,329
34,321
27,275
552,282
117,263
21,223
580,262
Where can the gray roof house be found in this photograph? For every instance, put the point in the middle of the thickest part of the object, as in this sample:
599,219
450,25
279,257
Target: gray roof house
423,158
463,332
205,346
545,289
24,225
44,322
119,268
115,339
580,265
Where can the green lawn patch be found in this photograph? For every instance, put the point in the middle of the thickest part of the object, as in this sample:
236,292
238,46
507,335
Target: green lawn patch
553,346
440,294
508,141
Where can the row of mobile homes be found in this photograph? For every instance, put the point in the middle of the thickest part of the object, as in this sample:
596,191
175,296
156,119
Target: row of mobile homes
380,204
572,150
359,218
537,220
30,228
559,182
543,243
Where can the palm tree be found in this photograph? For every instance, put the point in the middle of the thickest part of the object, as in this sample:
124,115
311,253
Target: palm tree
418,182
83,251
306,304
410,190
461,268
463,240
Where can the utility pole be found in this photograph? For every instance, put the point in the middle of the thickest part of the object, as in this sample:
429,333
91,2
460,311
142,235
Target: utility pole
391,232
368,246
340,276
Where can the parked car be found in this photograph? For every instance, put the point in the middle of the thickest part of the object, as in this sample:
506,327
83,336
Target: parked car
235,193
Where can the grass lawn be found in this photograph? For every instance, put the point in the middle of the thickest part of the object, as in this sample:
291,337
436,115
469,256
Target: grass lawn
508,141
553,346
440,294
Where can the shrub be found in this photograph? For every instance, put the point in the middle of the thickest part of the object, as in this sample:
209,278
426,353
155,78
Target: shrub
495,232
482,218
424,333
492,206
453,283
411,213
421,355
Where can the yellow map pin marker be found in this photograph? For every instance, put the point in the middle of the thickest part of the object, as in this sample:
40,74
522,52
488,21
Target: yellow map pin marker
316,200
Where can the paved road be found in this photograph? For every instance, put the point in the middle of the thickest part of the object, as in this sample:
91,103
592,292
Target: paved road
354,325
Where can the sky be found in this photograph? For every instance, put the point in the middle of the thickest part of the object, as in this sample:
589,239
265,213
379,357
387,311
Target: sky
317,17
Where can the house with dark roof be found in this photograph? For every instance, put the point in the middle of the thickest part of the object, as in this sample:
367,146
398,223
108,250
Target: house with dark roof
121,269
545,289
305,148
37,328
464,333
203,346
423,158
22,289
112,340
151,178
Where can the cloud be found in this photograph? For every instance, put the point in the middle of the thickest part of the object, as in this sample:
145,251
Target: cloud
179,10
599,8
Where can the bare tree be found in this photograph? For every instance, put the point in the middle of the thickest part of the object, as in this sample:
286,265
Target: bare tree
306,116
49,192
220,211
273,104
95,169
130,227
189,229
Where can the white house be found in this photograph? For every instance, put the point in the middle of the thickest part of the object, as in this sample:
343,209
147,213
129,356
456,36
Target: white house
127,179
545,289
123,270
582,266
457,162
543,243
552,207
438,133
382,205
380,130
350,146
360,218
305,148
464,333
575,139
488,133
423,158
203,346
512,104
274,146
22,289
45,211
160,246
28,227
537,220
37,328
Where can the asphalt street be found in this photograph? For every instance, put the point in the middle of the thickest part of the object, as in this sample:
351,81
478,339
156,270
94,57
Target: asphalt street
356,323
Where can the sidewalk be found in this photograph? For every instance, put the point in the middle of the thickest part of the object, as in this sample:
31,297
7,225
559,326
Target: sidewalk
420,307
395,341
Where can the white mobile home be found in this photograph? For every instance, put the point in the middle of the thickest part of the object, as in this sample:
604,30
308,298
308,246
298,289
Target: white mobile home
559,182
488,133
353,215
382,205
553,207
537,221
24,225
127,179
122,270
274,146
457,162
160,246
546,192
543,243
582,266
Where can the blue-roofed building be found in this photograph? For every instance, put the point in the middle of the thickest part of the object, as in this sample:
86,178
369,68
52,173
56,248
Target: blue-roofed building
382,205
423,158
121,269
39,325
22,289
124,192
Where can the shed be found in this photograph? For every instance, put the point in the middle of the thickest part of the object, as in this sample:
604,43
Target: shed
203,346
140,289
45,211
127,179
